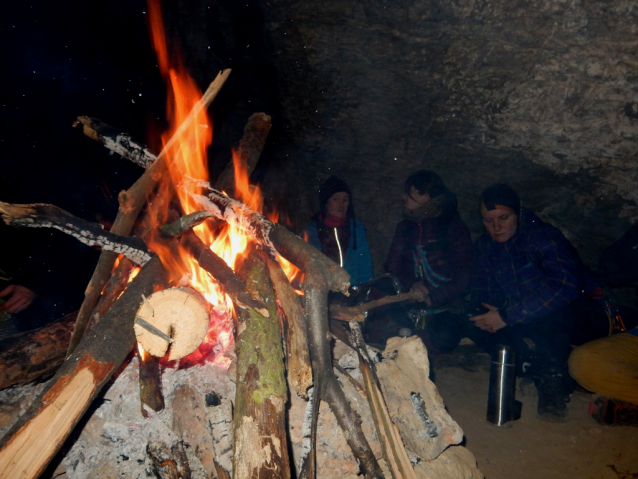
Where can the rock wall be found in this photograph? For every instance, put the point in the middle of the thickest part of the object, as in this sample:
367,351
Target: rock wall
542,95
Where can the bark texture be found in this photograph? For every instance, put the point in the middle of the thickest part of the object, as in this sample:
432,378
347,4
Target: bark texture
261,445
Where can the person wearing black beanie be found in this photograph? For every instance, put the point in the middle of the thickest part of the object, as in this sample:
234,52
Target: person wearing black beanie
338,234
530,281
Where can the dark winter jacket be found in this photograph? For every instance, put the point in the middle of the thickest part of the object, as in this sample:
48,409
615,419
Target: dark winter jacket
535,272
436,251
358,263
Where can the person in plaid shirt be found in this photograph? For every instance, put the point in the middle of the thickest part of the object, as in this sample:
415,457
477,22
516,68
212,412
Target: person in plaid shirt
533,285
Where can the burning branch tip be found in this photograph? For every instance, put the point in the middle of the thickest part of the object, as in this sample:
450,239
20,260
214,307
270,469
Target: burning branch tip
185,223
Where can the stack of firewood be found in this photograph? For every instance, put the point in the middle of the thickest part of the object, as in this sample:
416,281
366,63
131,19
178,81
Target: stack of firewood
283,345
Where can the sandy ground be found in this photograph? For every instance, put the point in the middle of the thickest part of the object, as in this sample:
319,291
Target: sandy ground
531,448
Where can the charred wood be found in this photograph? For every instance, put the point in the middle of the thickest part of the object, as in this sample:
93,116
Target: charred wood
169,461
219,413
248,152
116,141
35,438
49,216
151,394
358,313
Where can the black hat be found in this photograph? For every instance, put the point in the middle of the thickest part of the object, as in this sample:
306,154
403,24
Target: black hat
329,187
500,197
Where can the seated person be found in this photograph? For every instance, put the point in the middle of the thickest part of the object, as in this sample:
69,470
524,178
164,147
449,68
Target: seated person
530,280
432,251
338,234
609,366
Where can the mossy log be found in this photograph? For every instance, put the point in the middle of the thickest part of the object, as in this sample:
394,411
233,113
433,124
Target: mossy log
261,445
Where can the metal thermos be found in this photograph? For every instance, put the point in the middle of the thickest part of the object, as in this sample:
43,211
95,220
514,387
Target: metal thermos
500,400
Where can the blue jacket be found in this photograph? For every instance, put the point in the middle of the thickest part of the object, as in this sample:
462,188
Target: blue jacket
358,263
535,272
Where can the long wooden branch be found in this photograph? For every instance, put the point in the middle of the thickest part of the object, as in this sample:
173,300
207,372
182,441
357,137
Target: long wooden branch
393,449
131,203
49,216
34,439
357,313
321,276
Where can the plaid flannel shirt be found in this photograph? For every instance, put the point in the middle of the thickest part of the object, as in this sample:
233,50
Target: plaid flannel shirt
535,272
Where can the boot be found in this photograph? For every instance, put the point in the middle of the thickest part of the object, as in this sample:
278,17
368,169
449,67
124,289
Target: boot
554,390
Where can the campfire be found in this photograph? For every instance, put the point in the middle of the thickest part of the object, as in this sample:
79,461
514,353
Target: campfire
190,270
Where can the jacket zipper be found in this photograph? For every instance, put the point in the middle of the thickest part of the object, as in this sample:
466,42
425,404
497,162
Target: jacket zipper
339,246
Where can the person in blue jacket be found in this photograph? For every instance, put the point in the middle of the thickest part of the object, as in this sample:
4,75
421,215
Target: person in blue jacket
338,234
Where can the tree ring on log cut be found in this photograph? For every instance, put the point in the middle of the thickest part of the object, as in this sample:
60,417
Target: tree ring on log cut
181,313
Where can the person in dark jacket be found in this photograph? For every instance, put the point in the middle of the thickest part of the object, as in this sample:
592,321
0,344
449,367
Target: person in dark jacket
338,234
432,250
532,282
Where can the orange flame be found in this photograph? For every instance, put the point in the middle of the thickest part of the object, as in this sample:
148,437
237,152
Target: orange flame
187,157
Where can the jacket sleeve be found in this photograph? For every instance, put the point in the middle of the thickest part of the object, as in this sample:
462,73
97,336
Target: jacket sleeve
459,257
558,285
361,257
394,263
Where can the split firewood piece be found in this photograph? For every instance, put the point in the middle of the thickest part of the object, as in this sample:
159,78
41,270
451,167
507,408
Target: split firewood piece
39,215
33,441
35,355
179,313
358,313
248,152
116,141
131,203
151,393
297,356
388,433
219,413
114,288
260,436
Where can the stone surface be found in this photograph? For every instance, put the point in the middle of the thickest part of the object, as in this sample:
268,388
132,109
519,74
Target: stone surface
542,95
428,432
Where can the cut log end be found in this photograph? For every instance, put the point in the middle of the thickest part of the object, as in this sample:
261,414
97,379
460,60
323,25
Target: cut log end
180,313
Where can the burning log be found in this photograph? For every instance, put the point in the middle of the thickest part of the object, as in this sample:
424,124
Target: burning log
321,276
261,445
297,356
131,203
114,288
34,439
35,355
248,153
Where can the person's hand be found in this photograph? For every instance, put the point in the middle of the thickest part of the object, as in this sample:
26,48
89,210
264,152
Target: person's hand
19,298
420,289
490,321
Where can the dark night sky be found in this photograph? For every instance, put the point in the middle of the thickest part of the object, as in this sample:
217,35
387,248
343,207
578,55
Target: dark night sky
60,60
